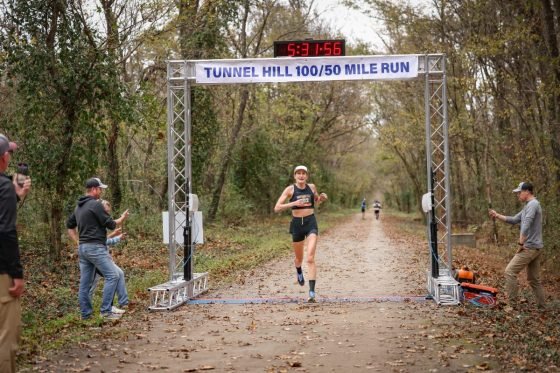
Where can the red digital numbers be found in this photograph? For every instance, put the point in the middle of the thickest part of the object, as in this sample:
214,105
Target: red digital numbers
304,49
338,48
291,49
309,48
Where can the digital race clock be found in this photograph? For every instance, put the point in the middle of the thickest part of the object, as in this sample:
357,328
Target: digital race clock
309,48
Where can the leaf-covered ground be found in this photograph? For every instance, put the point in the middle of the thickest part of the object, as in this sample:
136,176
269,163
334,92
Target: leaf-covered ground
523,337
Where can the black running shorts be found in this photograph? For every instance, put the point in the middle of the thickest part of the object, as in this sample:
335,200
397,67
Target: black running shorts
303,227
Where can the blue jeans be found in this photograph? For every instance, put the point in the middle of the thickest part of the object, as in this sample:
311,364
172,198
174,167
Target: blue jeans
96,256
122,294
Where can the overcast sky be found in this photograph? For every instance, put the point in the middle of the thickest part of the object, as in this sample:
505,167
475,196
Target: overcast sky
354,24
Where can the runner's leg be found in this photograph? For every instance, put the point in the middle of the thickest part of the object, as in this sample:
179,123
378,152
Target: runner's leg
298,259
312,267
311,248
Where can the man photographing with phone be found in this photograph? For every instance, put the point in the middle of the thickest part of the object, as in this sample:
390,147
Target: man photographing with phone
530,244
11,270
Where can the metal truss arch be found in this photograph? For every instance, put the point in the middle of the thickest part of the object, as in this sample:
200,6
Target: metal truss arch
184,283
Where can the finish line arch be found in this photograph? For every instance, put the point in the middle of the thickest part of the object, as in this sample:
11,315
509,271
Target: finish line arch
183,283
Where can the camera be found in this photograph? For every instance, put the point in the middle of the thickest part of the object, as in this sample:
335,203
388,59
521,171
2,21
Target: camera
22,173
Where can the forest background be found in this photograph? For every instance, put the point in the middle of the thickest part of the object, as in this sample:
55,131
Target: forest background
83,92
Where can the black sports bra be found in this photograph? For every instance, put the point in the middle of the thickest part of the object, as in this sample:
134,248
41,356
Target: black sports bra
306,194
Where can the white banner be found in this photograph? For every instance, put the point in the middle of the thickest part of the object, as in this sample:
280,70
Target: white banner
278,70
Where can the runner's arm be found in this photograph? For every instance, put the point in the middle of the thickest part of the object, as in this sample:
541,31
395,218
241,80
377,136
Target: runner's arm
318,197
286,194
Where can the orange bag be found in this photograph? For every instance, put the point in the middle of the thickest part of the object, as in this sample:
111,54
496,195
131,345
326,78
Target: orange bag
479,295
465,275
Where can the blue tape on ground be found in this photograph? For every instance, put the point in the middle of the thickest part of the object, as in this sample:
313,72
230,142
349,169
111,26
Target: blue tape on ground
390,298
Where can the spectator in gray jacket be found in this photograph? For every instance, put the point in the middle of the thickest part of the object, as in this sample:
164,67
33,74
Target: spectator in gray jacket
530,243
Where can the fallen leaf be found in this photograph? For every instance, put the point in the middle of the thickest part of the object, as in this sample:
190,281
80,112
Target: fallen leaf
207,367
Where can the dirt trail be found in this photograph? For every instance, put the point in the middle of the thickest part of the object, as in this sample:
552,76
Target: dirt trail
355,259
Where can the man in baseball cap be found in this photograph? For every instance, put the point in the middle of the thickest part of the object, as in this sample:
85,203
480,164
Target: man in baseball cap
12,283
530,243
95,182
6,145
87,226
523,186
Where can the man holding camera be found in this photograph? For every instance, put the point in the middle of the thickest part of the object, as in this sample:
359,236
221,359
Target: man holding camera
11,270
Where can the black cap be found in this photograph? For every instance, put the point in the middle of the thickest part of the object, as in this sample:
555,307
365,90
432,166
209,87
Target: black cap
94,182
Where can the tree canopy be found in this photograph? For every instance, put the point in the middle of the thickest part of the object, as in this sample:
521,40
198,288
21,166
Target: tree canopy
83,89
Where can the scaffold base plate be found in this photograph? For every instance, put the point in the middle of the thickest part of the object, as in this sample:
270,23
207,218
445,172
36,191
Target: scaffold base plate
172,294
444,289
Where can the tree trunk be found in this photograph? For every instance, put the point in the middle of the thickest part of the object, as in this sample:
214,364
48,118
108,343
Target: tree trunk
414,177
113,164
55,236
61,175
217,192
113,172
61,168
550,37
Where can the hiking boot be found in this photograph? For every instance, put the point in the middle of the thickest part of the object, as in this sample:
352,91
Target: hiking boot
300,279
111,316
117,310
311,297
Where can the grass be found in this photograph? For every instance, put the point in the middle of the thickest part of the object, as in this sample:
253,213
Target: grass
51,318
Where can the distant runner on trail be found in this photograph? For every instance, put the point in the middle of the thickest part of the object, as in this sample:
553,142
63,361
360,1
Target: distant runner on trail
376,208
302,198
363,208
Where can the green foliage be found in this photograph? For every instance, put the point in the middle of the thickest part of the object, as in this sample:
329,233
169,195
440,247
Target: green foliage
205,134
66,92
551,222
502,95
252,171
237,208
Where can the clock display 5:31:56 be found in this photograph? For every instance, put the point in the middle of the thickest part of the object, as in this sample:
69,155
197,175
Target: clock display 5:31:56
309,48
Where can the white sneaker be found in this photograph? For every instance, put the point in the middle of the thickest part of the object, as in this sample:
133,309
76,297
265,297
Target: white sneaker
111,316
117,310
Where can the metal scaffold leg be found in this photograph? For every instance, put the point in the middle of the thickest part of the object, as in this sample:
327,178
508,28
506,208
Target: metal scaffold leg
444,289
172,294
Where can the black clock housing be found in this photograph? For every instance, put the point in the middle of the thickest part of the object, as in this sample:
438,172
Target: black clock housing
310,48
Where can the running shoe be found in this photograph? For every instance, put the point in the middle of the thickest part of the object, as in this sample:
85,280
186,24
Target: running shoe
117,310
111,316
311,297
300,279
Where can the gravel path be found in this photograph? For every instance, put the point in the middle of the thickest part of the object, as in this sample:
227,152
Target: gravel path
355,261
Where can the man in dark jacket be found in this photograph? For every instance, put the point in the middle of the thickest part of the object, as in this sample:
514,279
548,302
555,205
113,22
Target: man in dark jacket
11,270
92,222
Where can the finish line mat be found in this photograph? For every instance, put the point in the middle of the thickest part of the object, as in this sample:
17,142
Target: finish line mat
326,299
